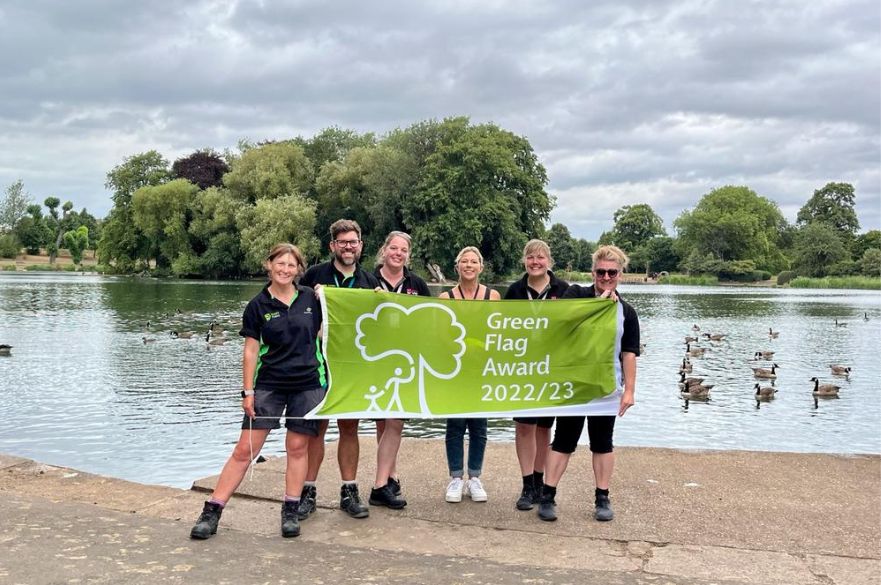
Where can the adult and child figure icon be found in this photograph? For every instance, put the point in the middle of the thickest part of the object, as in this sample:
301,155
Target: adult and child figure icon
283,375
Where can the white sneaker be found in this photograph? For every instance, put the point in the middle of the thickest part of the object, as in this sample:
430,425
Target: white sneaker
474,488
454,490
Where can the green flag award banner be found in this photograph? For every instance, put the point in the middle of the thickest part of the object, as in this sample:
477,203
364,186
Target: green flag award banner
401,356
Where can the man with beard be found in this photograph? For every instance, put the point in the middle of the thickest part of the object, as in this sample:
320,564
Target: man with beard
342,271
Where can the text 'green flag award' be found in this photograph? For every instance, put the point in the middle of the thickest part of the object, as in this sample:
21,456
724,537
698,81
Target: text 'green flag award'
401,356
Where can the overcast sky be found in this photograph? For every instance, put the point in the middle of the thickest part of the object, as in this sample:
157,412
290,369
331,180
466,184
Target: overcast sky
625,102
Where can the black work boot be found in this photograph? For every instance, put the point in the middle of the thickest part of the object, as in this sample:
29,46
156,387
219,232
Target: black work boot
384,496
603,511
526,499
290,525
206,525
395,484
307,502
547,508
350,501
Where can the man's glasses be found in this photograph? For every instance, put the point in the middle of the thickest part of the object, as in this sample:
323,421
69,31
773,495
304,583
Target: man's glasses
602,272
347,243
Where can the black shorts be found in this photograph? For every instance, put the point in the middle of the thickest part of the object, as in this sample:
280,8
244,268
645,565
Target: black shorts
599,432
544,422
296,403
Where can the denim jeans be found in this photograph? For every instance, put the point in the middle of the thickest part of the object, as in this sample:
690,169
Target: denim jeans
456,445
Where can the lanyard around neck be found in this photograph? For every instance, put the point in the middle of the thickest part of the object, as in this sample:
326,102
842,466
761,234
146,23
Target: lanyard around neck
541,296
350,285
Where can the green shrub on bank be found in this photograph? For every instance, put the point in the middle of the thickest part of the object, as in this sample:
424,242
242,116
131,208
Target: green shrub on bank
699,280
859,282
9,267
573,276
9,246
785,277
43,268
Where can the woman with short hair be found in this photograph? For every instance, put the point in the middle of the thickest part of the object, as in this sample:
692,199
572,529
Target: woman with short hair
283,374
532,434
608,264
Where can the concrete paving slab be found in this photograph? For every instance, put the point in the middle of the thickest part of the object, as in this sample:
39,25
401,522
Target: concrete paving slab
721,498
70,526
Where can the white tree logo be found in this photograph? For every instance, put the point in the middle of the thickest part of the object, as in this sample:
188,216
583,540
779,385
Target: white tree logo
436,349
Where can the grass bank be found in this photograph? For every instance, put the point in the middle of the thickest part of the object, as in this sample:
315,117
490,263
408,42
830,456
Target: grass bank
703,280
859,282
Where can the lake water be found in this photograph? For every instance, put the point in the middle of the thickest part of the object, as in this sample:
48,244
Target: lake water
82,389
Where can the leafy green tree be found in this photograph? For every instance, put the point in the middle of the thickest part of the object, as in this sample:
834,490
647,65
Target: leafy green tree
76,241
204,168
369,186
818,247
121,244
583,255
214,236
870,263
656,255
634,226
483,187
333,145
733,223
562,246
833,205
32,231
269,221
57,224
270,171
870,239
13,206
162,214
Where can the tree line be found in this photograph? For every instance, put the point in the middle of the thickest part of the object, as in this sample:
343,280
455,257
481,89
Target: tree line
449,183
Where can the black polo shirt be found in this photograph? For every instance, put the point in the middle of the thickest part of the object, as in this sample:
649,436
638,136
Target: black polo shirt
520,289
289,357
326,274
630,336
411,284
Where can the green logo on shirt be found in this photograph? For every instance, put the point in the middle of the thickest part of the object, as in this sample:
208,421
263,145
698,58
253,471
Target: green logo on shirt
272,315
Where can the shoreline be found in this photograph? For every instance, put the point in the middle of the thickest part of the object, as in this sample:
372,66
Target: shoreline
689,518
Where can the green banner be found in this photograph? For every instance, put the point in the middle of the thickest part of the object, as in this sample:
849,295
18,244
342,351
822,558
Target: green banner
401,356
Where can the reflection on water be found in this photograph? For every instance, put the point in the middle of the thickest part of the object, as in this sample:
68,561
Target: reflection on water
84,389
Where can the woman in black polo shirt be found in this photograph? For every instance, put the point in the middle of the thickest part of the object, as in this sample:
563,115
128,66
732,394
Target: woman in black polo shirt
608,264
532,434
282,373
394,276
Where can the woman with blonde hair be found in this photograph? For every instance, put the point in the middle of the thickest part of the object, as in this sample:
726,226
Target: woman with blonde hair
469,265
608,264
394,275
532,434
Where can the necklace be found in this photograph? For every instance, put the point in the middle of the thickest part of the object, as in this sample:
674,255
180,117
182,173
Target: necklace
462,294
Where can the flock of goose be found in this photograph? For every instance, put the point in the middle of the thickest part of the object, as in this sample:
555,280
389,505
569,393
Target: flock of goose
174,326
693,388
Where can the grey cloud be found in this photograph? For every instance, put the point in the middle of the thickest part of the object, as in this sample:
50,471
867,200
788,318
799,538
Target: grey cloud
659,100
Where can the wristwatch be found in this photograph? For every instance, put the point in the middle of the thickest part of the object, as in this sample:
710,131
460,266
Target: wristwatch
247,393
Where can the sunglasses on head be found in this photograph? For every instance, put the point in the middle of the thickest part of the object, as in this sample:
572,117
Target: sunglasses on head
602,272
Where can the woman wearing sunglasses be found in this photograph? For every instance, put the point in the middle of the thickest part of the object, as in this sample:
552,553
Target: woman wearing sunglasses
608,263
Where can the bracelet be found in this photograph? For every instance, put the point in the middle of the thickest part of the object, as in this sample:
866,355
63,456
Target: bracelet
246,393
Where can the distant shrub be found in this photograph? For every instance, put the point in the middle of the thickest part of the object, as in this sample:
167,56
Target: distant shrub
853,282
703,280
785,277
9,268
9,246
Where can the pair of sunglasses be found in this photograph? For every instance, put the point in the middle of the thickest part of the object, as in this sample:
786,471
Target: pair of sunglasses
602,272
